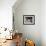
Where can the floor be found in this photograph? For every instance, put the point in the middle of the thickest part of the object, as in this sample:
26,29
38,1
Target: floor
9,43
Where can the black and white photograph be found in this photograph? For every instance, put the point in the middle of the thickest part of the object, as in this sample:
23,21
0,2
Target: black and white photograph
29,19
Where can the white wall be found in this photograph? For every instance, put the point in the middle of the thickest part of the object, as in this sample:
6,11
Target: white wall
6,13
36,32
29,7
43,22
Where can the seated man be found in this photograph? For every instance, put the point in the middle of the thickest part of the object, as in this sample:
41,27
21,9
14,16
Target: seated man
18,39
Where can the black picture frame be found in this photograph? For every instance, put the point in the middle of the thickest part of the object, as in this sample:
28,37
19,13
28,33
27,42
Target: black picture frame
29,19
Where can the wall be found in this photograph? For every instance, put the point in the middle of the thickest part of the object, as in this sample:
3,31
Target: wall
43,22
28,7
6,13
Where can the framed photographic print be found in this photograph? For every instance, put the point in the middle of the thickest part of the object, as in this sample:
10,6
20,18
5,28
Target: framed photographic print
29,19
